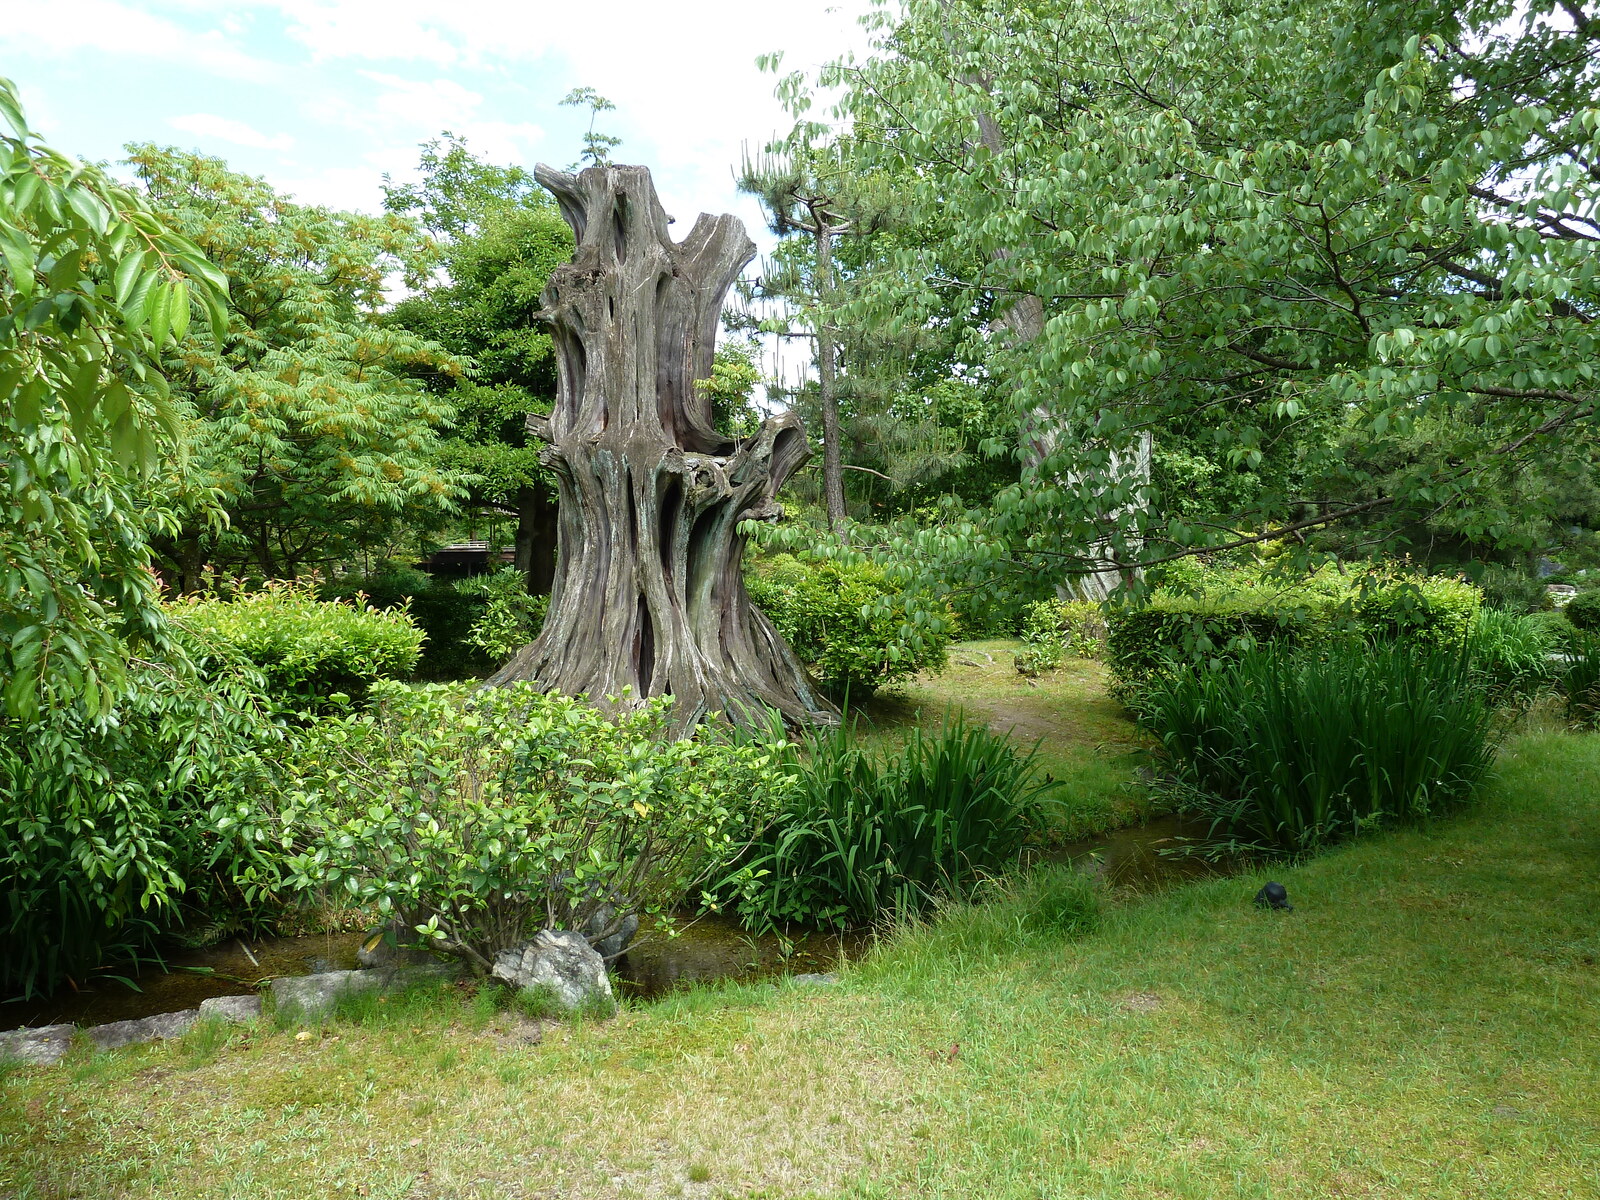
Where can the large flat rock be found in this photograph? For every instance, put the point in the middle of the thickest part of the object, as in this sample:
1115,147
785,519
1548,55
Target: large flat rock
238,1009
41,1047
145,1029
313,995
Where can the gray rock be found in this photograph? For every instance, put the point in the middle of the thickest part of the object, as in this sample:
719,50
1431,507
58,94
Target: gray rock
814,979
145,1029
40,1047
238,1009
386,946
616,943
313,995
562,964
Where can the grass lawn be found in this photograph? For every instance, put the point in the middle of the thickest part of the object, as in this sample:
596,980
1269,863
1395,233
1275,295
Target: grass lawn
1425,1024
1084,738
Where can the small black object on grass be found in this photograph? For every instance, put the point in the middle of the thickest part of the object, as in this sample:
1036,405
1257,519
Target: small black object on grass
1274,895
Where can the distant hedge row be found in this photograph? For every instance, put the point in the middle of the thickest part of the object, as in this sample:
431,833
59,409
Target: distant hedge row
1226,613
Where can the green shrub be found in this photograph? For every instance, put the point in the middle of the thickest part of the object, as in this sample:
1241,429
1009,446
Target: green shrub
1234,612
112,830
479,817
1511,654
864,835
510,617
1583,611
1054,630
308,650
1290,752
1559,633
848,623
446,613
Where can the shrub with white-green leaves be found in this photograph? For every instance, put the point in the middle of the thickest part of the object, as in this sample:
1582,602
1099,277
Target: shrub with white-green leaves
479,817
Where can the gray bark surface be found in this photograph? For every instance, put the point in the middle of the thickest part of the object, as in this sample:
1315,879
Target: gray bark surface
648,594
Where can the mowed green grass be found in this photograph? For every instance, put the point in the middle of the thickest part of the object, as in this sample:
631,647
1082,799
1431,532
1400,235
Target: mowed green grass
1426,1023
1084,739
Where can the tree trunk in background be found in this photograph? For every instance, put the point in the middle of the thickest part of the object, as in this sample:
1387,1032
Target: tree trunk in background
832,452
536,539
1042,430
648,593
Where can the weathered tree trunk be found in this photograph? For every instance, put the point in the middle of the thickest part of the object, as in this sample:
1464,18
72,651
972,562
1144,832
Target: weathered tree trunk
648,593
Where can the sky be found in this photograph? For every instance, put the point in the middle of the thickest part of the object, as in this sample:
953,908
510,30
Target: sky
323,97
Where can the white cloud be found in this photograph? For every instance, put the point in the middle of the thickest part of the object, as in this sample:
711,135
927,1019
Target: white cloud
348,189
444,103
208,125
64,28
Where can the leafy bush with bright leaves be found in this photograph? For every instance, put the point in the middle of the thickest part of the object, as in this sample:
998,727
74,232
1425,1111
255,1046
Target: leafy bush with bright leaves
480,817
865,835
848,622
308,650
114,831
443,611
511,616
1290,752
1054,630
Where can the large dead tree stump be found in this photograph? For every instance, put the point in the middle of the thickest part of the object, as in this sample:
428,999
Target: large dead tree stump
648,594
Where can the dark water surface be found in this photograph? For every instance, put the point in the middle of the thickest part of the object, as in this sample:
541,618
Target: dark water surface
1145,858
707,949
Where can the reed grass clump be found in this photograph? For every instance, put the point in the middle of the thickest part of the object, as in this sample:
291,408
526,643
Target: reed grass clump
867,835
1289,752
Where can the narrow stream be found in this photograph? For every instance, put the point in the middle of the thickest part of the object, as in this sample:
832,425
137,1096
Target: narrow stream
1140,858
706,949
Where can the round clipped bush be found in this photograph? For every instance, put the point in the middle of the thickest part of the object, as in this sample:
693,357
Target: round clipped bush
849,624
1583,610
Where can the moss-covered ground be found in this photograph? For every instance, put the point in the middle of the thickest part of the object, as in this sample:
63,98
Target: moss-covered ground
1426,1023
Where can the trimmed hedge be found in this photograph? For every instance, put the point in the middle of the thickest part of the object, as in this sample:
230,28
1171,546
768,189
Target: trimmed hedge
1234,612
307,650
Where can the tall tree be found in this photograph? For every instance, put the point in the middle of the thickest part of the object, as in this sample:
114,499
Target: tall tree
94,289
797,181
1276,226
302,418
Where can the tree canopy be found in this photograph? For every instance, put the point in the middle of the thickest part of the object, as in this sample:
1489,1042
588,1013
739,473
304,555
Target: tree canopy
303,417
1280,239
94,289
